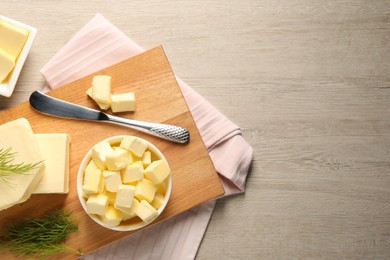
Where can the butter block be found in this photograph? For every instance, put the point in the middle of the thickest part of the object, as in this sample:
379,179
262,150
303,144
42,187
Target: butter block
118,159
97,204
123,102
12,38
55,151
162,187
133,172
145,190
19,136
101,105
124,196
112,218
99,152
157,171
134,144
128,213
147,158
101,89
145,211
157,201
93,179
111,197
112,180
7,64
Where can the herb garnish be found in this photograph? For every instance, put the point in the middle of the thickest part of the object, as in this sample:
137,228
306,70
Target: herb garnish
7,167
39,237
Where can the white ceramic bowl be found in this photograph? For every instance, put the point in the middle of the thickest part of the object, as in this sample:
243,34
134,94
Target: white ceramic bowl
7,88
128,225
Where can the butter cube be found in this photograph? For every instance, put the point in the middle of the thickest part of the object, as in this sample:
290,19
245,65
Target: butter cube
55,151
112,180
157,171
124,196
7,64
101,105
133,172
145,190
12,38
146,212
128,213
112,218
134,144
111,197
162,187
101,89
146,158
99,152
118,159
123,102
92,179
97,204
157,201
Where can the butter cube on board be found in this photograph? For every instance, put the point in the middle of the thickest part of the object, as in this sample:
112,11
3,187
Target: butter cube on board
55,152
123,102
101,89
19,136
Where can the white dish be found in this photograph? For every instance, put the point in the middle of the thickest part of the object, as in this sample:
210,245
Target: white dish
7,88
130,225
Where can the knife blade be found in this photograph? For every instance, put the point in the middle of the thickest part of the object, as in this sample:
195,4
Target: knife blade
52,106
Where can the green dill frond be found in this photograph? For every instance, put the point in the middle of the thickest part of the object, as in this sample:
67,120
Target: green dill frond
39,237
7,167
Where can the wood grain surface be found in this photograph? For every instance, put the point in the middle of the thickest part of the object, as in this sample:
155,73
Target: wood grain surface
159,99
309,84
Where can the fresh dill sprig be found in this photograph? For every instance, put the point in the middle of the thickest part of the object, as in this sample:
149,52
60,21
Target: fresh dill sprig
7,167
39,237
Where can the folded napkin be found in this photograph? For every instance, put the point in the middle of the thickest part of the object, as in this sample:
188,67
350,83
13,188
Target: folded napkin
100,44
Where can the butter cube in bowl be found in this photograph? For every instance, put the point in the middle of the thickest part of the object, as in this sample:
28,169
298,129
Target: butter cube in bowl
16,40
124,183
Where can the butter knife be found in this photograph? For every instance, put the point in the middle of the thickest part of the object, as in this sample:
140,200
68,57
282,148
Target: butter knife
52,106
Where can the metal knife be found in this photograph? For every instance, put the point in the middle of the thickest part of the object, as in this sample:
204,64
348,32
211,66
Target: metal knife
52,106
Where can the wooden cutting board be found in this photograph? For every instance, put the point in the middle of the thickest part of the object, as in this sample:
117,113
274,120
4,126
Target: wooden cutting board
158,99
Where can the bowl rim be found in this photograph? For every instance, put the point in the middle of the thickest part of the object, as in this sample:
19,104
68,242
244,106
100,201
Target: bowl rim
80,177
7,88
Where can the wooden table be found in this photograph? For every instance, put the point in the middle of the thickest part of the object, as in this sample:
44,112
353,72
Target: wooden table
308,82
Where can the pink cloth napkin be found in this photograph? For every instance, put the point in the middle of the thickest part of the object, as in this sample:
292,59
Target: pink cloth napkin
100,44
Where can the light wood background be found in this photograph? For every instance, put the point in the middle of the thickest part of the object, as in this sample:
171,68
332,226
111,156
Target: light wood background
308,82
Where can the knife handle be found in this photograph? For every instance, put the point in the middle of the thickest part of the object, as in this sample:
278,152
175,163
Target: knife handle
169,132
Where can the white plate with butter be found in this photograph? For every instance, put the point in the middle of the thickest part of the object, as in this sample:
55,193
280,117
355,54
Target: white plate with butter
124,183
16,40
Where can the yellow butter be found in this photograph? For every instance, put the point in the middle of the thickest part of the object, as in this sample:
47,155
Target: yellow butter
133,172
55,151
157,201
134,144
7,64
12,38
147,158
97,204
145,190
128,213
101,105
112,217
123,102
157,171
112,180
145,211
124,196
101,89
19,136
118,159
99,152
93,179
